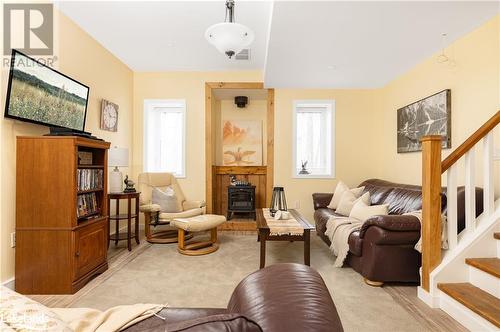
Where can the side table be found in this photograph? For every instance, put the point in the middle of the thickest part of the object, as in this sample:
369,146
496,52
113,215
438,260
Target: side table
128,216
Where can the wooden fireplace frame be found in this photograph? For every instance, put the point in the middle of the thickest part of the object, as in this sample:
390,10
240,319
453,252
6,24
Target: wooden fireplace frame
209,146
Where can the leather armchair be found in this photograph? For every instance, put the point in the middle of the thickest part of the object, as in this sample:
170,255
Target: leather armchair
153,217
383,249
282,297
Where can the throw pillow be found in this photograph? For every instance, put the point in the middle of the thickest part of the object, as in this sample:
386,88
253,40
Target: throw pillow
339,191
166,199
348,200
363,211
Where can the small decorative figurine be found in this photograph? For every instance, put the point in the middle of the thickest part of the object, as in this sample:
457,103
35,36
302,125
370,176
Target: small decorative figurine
129,185
304,169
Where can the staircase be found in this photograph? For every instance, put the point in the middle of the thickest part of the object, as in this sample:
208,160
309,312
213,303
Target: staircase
463,280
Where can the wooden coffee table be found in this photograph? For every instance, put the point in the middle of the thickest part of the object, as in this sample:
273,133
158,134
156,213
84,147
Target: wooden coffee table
264,236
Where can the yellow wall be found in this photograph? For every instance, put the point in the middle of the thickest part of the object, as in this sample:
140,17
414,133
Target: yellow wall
191,87
83,59
355,113
475,97
256,110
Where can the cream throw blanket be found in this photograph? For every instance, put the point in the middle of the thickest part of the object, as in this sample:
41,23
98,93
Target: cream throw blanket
338,230
444,233
113,319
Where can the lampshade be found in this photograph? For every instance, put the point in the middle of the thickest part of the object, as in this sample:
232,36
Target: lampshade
229,37
118,157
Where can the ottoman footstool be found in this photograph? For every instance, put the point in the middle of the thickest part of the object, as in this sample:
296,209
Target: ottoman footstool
200,223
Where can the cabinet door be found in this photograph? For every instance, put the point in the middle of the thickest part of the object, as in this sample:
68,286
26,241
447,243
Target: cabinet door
90,247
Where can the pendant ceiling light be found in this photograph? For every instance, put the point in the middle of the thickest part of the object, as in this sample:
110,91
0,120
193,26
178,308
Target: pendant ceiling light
229,37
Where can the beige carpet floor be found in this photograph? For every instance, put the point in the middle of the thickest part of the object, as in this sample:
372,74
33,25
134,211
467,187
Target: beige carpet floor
159,274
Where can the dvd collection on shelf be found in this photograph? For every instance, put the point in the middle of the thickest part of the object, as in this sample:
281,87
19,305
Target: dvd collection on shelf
87,205
90,179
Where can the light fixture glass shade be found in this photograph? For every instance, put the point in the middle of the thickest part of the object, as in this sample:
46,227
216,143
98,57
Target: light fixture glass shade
118,157
229,37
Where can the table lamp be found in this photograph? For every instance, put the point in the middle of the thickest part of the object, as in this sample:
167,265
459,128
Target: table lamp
118,157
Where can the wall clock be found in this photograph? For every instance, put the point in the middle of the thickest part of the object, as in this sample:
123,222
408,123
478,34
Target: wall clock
109,116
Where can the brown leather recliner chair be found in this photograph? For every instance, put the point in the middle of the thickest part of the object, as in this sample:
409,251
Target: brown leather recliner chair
383,250
282,297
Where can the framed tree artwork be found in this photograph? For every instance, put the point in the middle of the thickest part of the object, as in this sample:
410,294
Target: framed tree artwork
428,116
109,116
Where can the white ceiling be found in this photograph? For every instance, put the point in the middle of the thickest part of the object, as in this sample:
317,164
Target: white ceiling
312,44
361,44
168,35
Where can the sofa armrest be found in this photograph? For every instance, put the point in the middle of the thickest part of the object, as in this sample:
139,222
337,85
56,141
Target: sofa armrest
309,306
321,200
396,223
189,205
150,208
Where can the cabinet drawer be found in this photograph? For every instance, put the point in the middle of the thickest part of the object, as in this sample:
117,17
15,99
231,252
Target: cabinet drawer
90,247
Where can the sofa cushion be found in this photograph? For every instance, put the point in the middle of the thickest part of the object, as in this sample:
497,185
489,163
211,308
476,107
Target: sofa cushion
355,244
321,217
215,323
402,201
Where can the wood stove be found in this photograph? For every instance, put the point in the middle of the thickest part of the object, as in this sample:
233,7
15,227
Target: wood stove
240,199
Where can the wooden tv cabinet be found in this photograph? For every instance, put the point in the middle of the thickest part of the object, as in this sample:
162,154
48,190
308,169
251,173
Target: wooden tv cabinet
61,240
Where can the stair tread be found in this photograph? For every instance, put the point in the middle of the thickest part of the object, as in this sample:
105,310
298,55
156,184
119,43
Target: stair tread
474,298
488,265
497,236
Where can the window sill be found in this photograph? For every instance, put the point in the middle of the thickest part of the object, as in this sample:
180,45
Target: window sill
313,176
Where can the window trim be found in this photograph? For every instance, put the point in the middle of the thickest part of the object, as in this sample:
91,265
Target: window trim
178,103
329,104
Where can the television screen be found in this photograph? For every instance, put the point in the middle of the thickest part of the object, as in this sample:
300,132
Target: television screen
40,94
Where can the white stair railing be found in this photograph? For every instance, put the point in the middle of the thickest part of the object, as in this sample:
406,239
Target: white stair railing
432,168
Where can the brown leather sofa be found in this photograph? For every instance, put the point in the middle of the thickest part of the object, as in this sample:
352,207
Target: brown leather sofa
383,250
281,297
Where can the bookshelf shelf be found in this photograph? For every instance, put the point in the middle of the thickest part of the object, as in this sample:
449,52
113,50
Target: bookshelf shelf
80,192
62,207
89,215
90,166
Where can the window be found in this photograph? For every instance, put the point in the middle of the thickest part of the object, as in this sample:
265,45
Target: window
165,136
313,138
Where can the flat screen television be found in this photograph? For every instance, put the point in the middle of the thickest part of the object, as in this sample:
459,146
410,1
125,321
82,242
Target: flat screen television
39,94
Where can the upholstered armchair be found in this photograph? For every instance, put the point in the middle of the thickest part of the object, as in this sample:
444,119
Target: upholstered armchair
153,217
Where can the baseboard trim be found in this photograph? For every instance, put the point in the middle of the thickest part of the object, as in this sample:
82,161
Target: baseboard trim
10,283
427,298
